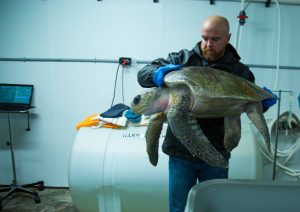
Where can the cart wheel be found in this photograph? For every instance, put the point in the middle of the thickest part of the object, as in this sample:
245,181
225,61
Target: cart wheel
41,187
37,199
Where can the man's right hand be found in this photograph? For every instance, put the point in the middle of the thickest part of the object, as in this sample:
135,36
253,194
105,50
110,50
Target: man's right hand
160,73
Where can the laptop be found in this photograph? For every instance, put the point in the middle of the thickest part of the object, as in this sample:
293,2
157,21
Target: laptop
15,97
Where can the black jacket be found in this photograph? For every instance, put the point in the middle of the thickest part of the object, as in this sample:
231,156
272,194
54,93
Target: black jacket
213,128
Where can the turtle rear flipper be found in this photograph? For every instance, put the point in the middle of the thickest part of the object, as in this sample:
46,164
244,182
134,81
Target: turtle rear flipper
186,129
254,112
232,126
153,132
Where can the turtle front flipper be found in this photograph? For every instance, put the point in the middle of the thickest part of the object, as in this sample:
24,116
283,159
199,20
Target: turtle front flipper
153,132
186,129
255,114
232,126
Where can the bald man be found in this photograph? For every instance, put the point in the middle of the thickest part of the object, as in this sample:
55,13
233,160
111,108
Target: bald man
214,50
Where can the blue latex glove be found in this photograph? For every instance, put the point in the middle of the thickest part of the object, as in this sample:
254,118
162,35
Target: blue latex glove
267,103
132,116
160,73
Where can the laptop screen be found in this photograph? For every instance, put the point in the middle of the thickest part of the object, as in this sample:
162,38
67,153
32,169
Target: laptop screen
15,94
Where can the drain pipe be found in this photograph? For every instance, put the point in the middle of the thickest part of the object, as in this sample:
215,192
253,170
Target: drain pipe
278,46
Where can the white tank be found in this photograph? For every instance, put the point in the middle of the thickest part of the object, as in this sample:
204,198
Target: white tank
109,170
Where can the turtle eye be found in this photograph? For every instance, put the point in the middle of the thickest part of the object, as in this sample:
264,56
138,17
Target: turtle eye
137,99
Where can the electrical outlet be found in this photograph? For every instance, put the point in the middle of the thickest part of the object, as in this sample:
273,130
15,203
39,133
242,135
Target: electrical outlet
125,61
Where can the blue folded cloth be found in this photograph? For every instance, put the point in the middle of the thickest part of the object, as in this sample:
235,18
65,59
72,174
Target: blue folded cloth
115,111
132,117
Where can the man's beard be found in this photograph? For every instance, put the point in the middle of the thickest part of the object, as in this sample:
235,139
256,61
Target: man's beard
211,55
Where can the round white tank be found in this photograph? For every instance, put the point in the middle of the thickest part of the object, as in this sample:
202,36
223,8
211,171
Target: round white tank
110,172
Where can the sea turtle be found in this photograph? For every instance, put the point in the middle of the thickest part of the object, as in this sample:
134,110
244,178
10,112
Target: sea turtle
201,92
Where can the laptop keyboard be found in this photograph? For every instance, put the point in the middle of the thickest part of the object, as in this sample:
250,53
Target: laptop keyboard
16,108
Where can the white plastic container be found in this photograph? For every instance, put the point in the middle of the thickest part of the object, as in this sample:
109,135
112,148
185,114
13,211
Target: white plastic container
222,195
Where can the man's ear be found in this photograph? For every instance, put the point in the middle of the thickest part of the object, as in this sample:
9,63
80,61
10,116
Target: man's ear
229,36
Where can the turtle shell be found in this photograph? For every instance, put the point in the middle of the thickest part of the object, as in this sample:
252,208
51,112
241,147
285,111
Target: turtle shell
215,93
206,82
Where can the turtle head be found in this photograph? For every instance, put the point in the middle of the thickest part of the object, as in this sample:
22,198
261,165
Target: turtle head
148,103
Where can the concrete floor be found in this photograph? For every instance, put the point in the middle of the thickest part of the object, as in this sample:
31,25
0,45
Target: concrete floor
52,200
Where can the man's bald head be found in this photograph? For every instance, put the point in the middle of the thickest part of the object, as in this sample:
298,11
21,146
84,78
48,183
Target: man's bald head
216,23
215,37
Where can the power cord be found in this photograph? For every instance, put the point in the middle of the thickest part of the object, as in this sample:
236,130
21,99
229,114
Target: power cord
124,62
115,84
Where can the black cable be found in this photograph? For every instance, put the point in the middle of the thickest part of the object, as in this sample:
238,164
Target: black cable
116,79
115,86
123,84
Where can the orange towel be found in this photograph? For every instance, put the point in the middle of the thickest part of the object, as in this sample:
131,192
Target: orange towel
110,125
88,122
93,120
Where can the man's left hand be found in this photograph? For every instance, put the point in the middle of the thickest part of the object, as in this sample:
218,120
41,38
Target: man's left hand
267,103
